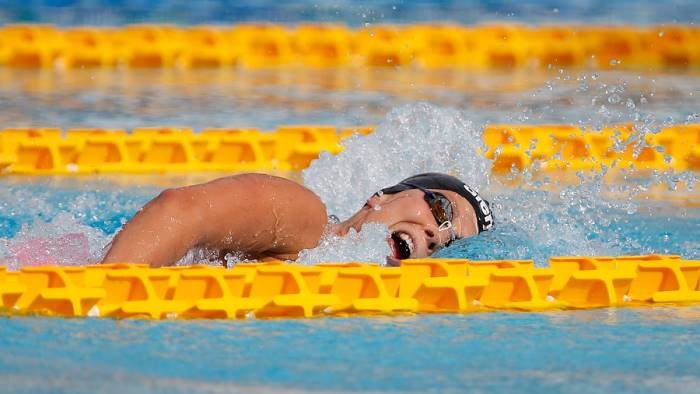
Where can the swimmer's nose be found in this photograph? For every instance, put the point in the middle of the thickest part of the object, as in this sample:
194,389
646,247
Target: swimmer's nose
431,239
434,236
431,236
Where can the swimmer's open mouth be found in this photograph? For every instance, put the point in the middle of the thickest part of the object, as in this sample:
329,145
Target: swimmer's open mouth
402,245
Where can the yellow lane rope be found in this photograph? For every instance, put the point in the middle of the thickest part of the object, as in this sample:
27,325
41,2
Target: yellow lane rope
318,45
47,151
289,290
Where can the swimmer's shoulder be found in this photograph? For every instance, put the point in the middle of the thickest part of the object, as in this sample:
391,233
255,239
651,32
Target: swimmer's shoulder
297,214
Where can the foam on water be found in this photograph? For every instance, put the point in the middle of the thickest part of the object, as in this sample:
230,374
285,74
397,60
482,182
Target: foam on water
61,241
62,222
413,138
536,219
369,245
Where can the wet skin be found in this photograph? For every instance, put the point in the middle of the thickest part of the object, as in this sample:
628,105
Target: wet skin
411,222
266,217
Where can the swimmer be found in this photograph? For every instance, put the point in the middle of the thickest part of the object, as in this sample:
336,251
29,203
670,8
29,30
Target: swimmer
265,217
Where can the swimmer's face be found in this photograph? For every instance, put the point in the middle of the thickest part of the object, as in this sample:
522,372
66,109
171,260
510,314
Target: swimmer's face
414,229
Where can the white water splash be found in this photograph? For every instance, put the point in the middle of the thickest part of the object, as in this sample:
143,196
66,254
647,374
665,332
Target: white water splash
535,219
413,139
207,256
62,241
369,245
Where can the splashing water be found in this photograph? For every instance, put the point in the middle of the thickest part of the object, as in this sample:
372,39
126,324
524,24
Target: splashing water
62,222
534,220
369,245
62,241
414,138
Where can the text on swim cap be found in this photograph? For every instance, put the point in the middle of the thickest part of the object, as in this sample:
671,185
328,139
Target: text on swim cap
483,207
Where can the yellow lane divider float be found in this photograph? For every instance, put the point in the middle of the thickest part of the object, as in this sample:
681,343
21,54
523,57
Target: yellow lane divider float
277,289
319,45
45,151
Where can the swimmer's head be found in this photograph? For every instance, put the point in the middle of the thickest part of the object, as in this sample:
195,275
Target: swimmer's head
424,213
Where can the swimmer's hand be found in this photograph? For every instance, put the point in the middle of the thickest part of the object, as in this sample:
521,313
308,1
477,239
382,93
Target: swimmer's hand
255,214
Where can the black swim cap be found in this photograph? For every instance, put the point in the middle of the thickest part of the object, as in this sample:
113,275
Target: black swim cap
435,180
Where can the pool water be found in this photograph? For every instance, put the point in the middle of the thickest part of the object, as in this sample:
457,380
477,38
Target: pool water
118,12
428,120
345,97
641,350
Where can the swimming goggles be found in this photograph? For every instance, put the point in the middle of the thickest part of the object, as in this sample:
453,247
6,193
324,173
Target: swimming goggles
441,208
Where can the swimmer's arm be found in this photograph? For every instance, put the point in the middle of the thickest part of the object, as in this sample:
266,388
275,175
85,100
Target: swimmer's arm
259,215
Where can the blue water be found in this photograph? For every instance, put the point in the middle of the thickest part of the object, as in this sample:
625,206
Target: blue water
267,98
117,12
103,205
607,350
635,234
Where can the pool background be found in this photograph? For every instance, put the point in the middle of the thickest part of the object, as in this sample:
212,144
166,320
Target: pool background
606,350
